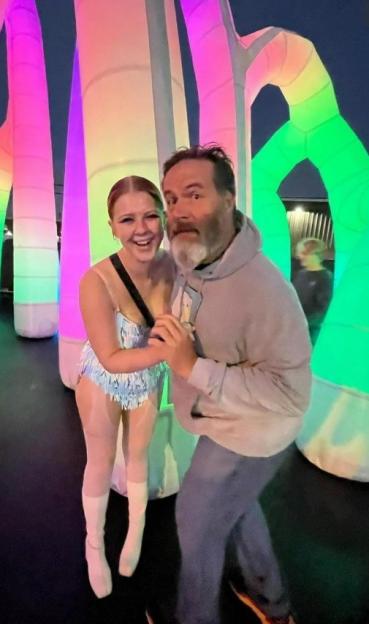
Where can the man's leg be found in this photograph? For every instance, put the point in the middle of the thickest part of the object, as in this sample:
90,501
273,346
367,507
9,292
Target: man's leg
252,545
203,523
219,488
209,504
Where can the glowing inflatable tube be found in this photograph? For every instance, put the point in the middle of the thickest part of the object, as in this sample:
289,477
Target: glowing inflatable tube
124,127
75,252
35,242
5,176
6,160
223,116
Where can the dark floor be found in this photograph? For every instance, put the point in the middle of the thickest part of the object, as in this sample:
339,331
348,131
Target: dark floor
320,524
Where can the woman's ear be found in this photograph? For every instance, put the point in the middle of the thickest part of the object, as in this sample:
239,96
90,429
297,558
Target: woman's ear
111,227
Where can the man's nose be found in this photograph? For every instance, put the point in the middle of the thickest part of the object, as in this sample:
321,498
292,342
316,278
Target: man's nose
180,210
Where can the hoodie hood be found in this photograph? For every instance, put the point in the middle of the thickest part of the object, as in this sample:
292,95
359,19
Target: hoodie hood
244,247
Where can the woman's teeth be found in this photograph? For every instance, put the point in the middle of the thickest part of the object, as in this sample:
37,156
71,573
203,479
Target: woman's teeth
143,243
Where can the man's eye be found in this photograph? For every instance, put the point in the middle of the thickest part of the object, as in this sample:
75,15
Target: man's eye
195,195
154,215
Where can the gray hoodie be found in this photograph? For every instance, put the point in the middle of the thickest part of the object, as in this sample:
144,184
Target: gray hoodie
251,383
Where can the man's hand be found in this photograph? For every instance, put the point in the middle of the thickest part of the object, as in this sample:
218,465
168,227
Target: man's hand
178,345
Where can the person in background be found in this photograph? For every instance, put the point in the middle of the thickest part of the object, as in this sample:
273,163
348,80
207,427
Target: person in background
119,372
238,347
313,283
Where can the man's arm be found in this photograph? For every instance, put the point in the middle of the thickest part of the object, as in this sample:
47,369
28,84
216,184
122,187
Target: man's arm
236,388
276,377
323,293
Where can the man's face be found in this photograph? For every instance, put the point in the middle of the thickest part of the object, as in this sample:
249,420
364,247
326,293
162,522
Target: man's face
306,257
199,218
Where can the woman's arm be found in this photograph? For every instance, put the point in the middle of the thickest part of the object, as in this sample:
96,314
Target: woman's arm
99,318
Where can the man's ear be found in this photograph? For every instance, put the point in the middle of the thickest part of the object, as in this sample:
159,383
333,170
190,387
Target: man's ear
230,201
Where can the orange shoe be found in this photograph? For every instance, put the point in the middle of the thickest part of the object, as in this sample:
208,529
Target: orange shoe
155,615
263,617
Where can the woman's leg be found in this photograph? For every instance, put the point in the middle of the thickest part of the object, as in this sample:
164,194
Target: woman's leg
100,418
137,433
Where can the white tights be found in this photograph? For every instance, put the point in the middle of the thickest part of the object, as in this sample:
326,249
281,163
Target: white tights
100,418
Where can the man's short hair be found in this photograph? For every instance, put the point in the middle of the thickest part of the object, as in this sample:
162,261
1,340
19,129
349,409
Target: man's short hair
312,246
223,167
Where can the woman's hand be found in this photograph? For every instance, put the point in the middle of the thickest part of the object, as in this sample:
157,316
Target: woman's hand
176,342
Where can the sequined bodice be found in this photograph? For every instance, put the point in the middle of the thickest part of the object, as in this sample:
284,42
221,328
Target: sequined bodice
130,334
128,389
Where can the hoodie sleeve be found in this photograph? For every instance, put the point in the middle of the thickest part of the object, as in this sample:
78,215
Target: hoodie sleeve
276,377
323,292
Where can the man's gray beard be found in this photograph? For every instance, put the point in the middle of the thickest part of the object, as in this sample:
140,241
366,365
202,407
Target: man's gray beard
188,254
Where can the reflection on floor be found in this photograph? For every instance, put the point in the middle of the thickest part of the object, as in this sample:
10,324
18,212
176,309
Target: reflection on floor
320,524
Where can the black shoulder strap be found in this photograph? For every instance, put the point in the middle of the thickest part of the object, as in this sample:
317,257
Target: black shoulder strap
127,281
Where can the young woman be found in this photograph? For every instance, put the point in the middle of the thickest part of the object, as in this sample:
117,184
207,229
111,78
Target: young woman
120,371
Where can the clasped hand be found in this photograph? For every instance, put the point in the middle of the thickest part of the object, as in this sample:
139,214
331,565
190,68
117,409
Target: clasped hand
176,344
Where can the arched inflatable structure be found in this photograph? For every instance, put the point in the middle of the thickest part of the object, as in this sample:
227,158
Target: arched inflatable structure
127,114
336,431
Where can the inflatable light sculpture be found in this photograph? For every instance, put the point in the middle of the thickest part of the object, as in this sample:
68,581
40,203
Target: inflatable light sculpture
335,434
336,431
75,250
25,138
131,101
316,130
6,167
224,115
336,428
133,98
135,131
226,91
5,174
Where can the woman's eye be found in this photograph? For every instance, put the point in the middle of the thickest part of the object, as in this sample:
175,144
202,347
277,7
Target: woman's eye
154,215
128,220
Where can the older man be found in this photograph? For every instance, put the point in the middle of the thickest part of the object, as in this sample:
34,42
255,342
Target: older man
238,347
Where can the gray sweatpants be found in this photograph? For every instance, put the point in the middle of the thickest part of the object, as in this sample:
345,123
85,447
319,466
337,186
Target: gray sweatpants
217,506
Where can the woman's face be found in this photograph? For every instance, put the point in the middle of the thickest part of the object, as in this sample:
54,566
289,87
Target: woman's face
137,223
